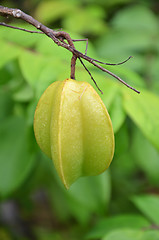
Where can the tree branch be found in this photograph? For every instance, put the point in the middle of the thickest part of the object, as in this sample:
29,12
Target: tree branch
58,37
18,28
90,75
73,63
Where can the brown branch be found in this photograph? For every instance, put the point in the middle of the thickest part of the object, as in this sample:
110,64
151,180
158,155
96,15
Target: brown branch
18,28
90,75
114,64
115,76
81,40
58,37
73,63
74,40
26,30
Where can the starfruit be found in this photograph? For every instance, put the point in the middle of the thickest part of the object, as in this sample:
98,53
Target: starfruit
73,128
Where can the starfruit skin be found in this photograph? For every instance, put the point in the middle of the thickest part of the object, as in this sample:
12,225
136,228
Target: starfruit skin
73,128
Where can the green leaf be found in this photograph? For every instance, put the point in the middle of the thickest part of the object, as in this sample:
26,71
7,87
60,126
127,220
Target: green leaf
133,30
8,52
122,141
105,226
31,65
109,88
128,234
89,195
16,160
143,110
148,205
4,234
136,18
88,20
146,156
23,94
6,104
128,44
48,75
110,3
20,38
30,111
131,77
47,47
154,74
5,76
49,11
151,235
47,234
117,113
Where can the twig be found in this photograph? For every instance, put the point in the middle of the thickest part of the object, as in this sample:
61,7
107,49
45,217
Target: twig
58,38
114,64
115,76
81,40
18,28
74,40
90,75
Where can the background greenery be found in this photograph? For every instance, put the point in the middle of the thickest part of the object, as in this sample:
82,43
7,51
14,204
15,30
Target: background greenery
123,202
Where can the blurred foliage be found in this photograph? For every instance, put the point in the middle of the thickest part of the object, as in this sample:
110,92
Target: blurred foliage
123,202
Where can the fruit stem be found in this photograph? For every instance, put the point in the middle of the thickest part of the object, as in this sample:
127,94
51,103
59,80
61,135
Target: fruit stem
73,64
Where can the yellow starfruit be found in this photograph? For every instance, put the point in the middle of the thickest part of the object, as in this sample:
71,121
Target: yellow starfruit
73,128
